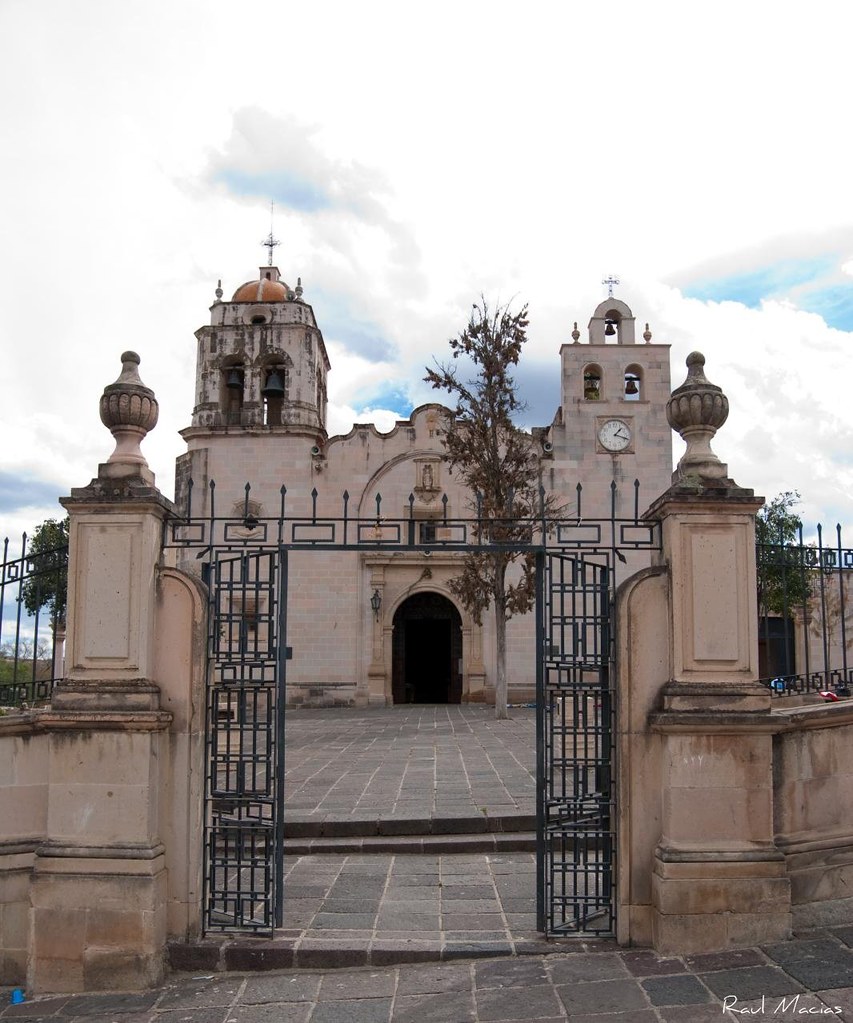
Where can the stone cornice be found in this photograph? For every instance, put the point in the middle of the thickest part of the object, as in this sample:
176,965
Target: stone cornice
28,722
694,722
822,715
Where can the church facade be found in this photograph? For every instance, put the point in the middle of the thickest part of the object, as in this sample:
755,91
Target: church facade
383,627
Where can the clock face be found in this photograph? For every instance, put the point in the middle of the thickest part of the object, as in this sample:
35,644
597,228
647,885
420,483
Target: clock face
614,435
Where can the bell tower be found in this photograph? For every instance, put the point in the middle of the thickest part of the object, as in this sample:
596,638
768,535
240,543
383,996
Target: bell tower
611,426
261,364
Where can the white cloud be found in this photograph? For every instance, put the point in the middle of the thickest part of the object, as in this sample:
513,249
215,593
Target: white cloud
460,150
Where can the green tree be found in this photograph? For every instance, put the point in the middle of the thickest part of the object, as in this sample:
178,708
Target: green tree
46,583
25,663
783,576
498,464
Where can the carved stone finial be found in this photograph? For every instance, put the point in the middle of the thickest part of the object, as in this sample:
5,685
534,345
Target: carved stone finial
696,410
218,291
129,411
298,291
647,335
576,333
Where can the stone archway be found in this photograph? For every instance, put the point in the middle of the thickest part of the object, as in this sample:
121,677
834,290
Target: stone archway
427,650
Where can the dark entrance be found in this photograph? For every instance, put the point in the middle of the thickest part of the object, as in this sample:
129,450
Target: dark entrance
427,651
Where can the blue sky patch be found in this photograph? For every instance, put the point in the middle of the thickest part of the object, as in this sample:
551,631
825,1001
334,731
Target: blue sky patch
284,189
361,337
388,396
19,492
815,284
833,303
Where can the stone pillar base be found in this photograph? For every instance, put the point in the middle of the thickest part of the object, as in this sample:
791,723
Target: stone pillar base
16,866
98,920
708,901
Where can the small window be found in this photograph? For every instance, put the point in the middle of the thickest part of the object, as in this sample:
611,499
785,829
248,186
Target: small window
427,532
259,318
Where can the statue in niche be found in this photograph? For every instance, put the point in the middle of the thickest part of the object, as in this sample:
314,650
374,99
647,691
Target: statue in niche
426,483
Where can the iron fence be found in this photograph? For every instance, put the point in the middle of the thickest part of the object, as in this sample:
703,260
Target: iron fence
33,588
804,603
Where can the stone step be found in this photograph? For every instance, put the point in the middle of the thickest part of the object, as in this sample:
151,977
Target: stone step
485,842
319,826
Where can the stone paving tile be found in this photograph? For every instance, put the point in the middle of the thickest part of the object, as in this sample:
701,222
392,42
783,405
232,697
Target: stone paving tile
602,996
838,999
750,982
434,979
510,973
111,1004
287,1013
583,967
816,975
630,1016
361,1010
201,993
46,1007
649,964
820,949
675,990
443,1007
368,984
211,1014
285,987
729,960
472,921
529,1002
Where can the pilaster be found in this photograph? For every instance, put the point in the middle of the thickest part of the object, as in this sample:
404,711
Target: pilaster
98,895
718,879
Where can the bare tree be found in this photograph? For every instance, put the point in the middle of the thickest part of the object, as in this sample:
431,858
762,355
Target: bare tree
498,463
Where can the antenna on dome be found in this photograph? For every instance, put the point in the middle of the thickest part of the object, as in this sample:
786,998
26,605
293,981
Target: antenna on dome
271,242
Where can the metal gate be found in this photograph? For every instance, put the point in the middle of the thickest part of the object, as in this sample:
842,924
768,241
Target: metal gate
245,567
245,701
575,811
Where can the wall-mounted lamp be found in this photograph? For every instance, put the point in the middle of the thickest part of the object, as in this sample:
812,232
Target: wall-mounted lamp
376,603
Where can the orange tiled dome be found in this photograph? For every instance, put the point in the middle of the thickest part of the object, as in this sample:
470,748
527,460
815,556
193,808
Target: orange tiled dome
262,291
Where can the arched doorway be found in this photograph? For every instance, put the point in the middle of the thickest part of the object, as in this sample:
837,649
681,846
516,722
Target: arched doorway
427,651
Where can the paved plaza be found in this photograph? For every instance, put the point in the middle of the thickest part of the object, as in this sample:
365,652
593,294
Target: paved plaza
810,978
410,898
373,771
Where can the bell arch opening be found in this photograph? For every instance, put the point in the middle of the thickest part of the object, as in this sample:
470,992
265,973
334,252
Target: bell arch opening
427,650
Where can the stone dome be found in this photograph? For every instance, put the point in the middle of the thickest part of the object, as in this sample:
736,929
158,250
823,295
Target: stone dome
263,290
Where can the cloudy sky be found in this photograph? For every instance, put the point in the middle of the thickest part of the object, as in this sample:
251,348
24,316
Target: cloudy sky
420,155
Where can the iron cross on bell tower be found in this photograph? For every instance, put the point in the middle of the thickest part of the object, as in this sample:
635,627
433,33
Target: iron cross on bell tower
610,281
270,241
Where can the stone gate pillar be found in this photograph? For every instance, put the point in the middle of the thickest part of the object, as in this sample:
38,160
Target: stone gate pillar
718,879
99,884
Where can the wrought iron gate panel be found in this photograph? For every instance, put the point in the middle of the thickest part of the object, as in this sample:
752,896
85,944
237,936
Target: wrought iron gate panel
244,794
576,840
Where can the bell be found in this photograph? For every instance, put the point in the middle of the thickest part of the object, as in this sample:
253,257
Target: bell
609,330
274,387
631,386
234,380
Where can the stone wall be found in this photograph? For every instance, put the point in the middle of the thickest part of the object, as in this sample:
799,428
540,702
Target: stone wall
813,809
